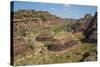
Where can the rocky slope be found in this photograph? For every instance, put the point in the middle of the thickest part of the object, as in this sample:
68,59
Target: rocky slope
91,31
79,25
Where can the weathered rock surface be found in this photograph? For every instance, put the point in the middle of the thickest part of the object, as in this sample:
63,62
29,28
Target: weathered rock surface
59,46
44,37
91,31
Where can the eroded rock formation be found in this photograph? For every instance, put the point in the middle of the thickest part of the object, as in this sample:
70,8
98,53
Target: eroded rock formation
91,31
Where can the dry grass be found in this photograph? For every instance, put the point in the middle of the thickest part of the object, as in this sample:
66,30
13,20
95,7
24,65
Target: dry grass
41,55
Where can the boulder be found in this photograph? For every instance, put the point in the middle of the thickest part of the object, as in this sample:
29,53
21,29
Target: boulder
59,46
44,37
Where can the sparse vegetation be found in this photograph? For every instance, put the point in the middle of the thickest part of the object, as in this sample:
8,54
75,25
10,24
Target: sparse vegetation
34,31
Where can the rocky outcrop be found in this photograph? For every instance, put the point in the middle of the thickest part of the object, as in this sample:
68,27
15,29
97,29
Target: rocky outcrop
91,31
38,17
44,37
59,46
81,24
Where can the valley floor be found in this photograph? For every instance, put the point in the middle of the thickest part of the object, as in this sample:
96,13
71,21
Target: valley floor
41,55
